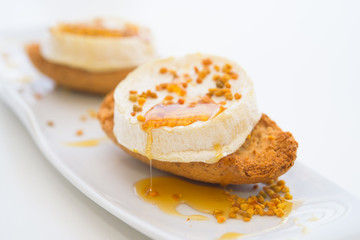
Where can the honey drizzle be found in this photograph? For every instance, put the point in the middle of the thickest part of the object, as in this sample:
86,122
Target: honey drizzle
98,29
174,115
151,178
218,150
86,143
148,154
287,210
231,235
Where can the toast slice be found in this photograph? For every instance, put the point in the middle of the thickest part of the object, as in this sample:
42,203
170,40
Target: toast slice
265,156
73,78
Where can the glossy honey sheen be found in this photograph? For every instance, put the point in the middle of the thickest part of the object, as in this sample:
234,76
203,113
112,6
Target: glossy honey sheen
170,192
179,115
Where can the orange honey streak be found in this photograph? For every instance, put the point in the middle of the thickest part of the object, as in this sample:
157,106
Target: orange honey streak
179,115
97,29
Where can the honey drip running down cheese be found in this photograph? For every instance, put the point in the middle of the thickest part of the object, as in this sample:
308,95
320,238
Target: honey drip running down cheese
175,115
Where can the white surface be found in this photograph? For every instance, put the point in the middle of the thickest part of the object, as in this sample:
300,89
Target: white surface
303,58
39,203
106,174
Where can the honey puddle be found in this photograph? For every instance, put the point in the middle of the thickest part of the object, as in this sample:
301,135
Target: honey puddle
167,193
86,143
230,235
171,192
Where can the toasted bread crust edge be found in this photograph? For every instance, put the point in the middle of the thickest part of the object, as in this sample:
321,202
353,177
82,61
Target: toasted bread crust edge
265,156
73,78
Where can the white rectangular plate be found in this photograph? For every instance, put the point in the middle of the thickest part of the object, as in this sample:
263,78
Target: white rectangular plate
106,174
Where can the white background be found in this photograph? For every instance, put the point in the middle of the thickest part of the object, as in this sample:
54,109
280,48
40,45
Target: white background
303,57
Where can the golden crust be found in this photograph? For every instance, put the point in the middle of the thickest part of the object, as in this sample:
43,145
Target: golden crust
73,78
265,156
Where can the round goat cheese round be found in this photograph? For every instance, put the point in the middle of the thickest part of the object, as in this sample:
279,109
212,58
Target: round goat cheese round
195,108
98,45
